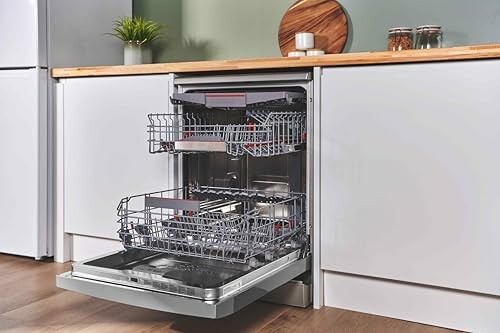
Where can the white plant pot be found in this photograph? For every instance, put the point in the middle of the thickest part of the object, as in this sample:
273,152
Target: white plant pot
134,53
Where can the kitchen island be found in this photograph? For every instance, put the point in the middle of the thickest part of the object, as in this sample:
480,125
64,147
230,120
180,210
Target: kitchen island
405,184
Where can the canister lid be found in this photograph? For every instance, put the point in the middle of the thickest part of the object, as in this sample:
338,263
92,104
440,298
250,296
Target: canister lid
429,27
400,29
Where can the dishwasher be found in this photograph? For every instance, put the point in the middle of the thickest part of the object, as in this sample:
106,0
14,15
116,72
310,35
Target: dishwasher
234,226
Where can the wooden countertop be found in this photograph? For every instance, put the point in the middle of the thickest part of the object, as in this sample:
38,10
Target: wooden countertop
329,60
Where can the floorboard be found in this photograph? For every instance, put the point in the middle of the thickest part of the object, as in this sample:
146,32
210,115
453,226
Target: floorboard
30,302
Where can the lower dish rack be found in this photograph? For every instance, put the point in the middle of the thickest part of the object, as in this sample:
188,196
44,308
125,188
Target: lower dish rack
231,225
260,133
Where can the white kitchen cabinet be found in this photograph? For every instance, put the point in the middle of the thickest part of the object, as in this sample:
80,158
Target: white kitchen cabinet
103,151
410,181
23,163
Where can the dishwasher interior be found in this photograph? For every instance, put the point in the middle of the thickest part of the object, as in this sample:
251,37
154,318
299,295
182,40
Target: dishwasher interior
236,225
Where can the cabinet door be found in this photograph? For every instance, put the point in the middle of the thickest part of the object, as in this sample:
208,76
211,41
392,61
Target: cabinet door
106,153
23,148
25,21
410,173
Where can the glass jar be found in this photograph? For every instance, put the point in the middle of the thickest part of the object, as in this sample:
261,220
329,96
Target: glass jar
400,39
429,37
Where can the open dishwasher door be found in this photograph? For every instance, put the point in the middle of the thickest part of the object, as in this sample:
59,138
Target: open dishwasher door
182,285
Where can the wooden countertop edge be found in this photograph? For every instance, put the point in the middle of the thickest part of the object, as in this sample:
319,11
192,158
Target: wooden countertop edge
330,60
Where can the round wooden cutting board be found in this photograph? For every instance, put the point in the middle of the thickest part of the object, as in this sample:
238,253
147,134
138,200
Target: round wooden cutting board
325,18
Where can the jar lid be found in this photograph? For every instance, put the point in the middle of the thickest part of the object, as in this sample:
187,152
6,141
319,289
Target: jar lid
429,27
400,29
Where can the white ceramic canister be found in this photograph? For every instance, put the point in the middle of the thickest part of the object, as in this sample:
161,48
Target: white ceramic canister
304,40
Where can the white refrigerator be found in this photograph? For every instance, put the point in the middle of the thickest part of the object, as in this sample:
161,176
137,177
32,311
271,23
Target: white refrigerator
38,35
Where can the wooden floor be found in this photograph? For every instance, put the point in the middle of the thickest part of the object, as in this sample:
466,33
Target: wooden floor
30,302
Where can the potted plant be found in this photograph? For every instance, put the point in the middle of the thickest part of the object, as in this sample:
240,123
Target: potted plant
137,34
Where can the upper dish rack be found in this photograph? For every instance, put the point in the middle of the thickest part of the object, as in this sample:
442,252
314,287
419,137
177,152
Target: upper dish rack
271,123
232,225
262,134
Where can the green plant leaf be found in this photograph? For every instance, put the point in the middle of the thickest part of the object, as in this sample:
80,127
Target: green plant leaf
136,29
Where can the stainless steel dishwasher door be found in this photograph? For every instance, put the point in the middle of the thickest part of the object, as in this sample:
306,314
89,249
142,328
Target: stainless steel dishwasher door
152,291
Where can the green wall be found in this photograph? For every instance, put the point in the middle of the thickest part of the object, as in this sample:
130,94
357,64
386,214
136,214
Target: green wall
215,29
235,28
232,29
169,13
